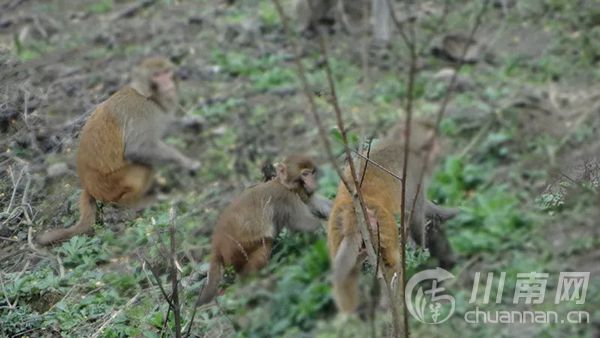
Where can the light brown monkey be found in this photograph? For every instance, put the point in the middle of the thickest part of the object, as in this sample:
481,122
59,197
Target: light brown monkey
245,229
121,142
382,194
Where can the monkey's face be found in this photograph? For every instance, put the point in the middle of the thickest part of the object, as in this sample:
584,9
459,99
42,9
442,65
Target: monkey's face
308,180
155,79
162,81
298,173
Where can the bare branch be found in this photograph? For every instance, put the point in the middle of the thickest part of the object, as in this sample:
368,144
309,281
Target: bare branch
446,100
174,281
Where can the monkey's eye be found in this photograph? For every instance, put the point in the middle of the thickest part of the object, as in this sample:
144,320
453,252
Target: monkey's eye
306,173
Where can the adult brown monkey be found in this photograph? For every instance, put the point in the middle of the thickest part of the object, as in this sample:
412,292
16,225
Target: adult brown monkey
382,194
245,229
121,143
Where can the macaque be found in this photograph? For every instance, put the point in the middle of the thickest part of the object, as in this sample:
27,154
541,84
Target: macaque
382,194
121,142
245,229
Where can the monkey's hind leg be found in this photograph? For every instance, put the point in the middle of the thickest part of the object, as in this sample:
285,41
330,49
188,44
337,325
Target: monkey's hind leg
87,217
258,258
134,183
345,292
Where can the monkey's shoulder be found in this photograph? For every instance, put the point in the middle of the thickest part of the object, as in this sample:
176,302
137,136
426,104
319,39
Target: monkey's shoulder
129,100
265,191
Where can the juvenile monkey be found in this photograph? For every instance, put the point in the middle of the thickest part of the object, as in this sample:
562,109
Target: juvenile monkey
121,143
246,227
383,195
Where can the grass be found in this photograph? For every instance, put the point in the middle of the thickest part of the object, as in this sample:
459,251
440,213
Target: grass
502,224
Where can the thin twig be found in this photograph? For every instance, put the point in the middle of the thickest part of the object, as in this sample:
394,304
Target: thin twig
44,252
323,135
446,100
356,193
174,281
158,281
398,24
114,315
15,188
370,161
412,73
364,171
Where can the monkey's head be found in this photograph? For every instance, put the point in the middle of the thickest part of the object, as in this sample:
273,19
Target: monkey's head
421,136
154,78
298,173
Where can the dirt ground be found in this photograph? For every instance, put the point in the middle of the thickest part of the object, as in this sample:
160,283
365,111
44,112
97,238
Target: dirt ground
242,107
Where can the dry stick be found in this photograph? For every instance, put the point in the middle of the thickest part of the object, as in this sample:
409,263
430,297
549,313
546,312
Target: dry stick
403,225
44,252
357,197
364,172
355,193
373,330
360,200
437,27
157,277
365,43
398,24
114,315
15,188
367,159
174,282
442,110
411,44
412,73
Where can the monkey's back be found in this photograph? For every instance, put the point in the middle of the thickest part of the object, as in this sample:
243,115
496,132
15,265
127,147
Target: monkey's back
380,190
100,157
378,195
248,219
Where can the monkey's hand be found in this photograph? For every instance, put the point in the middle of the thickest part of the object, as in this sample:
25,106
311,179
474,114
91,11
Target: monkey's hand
320,206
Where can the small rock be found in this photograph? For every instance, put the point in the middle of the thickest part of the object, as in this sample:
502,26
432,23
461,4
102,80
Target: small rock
192,123
195,20
57,169
453,46
462,82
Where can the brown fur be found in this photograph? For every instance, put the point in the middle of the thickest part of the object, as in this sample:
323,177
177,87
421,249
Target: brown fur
382,194
245,229
119,145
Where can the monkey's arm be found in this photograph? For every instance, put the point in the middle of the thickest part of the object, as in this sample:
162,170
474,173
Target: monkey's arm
347,256
433,210
153,152
302,219
320,206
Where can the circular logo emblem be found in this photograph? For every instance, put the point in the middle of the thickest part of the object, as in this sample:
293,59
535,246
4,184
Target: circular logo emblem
429,306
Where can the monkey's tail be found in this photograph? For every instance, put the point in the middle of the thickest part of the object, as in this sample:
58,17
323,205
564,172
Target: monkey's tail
87,217
345,264
215,273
